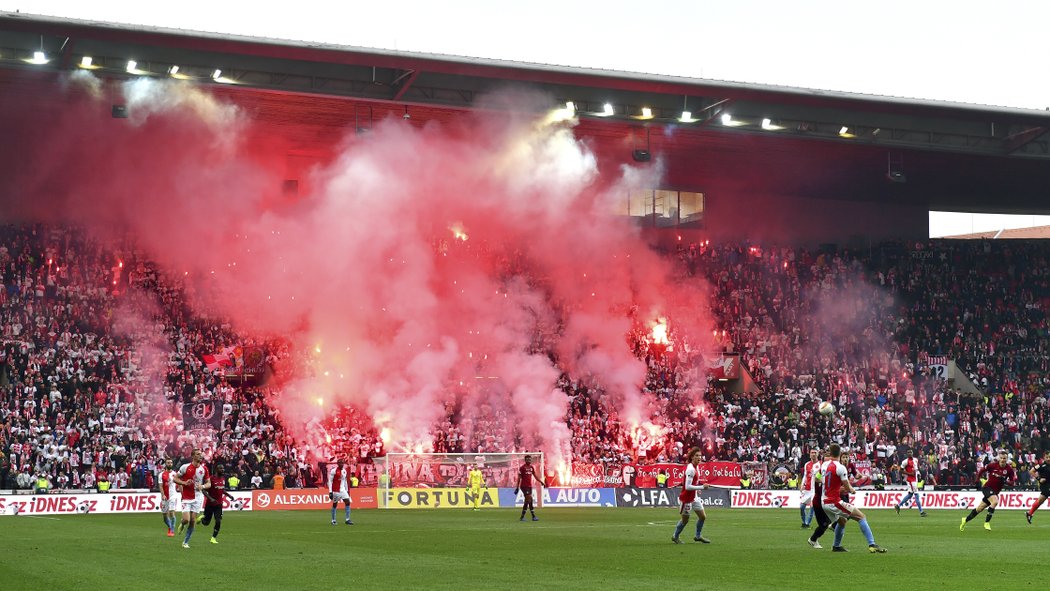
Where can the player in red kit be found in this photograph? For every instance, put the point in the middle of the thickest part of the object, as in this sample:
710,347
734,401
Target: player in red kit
689,502
169,497
998,473
836,482
806,488
910,467
213,501
338,490
525,475
193,478
1041,473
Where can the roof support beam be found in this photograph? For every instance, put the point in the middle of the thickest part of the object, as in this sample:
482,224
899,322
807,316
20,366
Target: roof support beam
1015,142
403,82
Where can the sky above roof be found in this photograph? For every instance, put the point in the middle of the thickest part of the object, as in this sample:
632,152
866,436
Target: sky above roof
956,51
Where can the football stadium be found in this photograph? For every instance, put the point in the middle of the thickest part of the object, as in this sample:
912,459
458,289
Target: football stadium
351,317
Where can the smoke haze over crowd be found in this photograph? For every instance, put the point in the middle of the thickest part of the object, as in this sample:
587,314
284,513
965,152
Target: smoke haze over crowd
425,265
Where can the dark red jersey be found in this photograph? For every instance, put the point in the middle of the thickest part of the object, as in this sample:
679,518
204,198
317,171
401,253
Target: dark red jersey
213,496
998,476
525,475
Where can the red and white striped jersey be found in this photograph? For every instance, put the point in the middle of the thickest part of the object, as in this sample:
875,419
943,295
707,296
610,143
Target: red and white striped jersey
195,474
911,468
807,480
834,474
337,480
168,486
692,481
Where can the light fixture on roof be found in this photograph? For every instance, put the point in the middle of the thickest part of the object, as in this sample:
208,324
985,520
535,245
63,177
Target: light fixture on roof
132,66
771,125
85,62
607,110
173,70
39,58
687,117
844,131
727,119
647,113
216,74
564,113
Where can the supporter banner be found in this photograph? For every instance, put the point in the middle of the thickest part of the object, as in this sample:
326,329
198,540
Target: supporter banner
450,470
254,361
759,472
204,415
114,502
664,497
438,498
309,498
765,499
587,475
564,497
726,367
938,364
714,473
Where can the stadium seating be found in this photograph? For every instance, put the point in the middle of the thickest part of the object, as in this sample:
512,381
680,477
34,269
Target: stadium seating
859,329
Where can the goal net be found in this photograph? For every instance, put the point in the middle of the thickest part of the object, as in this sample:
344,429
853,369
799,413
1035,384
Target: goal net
440,470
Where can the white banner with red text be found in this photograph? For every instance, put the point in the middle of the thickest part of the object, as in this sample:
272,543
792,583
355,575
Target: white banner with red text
112,502
887,499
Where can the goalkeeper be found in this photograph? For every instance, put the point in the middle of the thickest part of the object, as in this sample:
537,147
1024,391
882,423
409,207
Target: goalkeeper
476,480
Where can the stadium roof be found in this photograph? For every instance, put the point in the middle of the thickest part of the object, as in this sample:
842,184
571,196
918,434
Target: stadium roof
416,78
1035,232
954,156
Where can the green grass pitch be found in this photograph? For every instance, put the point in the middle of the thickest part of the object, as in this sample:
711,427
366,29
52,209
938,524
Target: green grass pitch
491,549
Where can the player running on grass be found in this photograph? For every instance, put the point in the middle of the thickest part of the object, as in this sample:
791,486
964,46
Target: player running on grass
193,478
998,474
836,481
525,475
910,467
213,501
1041,474
688,499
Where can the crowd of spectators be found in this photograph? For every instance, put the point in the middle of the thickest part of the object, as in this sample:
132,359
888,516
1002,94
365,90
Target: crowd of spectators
101,350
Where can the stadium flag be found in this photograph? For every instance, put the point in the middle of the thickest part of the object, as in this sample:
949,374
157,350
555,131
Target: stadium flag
227,357
203,415
725,367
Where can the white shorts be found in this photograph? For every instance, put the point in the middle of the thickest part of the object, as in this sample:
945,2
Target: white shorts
686,508
807,498
913,487
193,506
838,510
169,504
340,496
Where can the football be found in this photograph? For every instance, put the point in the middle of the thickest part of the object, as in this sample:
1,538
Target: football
826,408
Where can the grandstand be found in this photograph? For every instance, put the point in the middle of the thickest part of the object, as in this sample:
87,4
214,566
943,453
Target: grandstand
778,239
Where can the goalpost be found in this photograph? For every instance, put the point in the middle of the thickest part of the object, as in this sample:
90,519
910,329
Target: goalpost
447,470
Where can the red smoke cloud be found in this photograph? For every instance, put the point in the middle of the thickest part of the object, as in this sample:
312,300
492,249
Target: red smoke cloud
422,258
